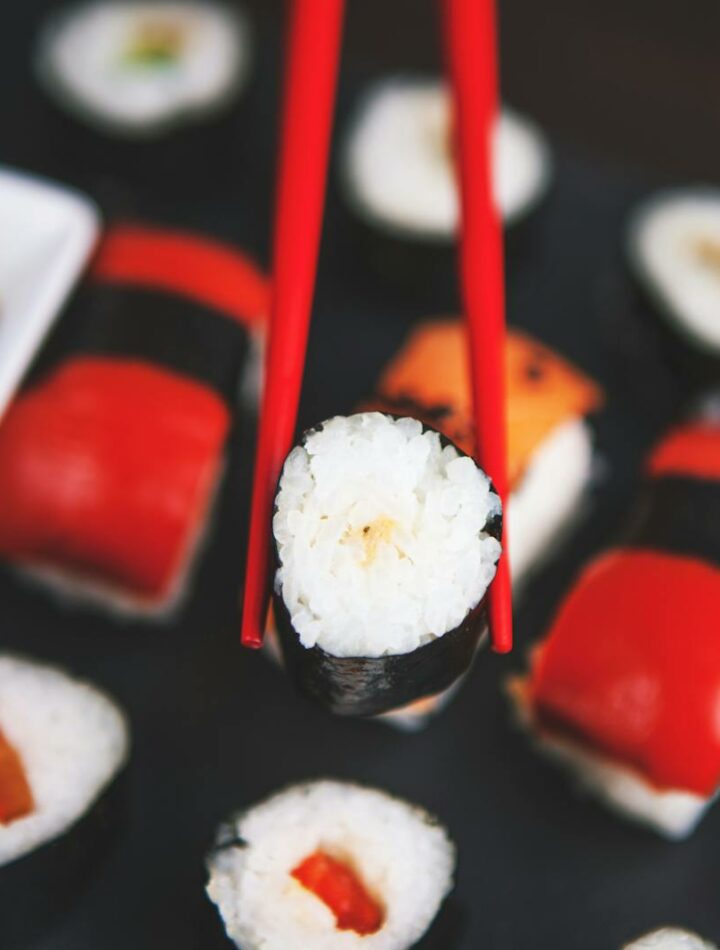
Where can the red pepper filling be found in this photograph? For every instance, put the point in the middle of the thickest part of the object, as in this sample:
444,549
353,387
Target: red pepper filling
16,800
342,891
632,667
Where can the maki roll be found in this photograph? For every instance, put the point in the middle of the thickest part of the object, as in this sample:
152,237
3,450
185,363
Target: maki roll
139,68
63,744
670,938
674,249
623,690
387,538
111,456
330,864
400,162
550,456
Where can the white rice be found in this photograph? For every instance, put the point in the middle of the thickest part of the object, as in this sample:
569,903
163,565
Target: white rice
381,535
674,244
403,857
82,57
546,501
672,813
72,740
400,169
670,938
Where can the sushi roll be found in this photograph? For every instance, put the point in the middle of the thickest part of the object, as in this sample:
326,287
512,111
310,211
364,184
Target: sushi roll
387,538
63,746
330,864
674,249
670,938
400,164
623,690
142,67
549,439
111,455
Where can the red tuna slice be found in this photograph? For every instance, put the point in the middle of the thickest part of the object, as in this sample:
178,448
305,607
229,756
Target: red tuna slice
107,469
198,268
631,668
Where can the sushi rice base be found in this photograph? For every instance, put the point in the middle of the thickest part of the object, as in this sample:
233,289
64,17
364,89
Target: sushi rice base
670,938
400,170
381,536
672,813
72,740
546,500
674,244
403,857
83,49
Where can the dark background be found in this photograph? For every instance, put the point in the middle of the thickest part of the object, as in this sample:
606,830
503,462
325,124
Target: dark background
628,95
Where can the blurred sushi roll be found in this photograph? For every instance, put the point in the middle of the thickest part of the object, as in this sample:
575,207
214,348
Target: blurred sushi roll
111,455
330,864
63,746
674,247
387,539
399,177
623,690
670,938
400,164
549,439
141,67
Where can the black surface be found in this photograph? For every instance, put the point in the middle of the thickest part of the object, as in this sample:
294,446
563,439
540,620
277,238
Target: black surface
216,728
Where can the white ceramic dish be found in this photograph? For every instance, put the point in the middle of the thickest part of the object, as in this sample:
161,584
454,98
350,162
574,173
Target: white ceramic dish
47,232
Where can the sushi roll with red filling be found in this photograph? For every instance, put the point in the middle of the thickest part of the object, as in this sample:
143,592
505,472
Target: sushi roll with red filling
670,938
63,745
387,538
330,864
111,456
624,689
142,67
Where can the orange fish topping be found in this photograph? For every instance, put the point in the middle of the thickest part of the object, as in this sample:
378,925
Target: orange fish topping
16,800
341,890
430,377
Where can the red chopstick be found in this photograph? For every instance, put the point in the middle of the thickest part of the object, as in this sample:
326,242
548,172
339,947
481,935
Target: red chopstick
472,53
309,98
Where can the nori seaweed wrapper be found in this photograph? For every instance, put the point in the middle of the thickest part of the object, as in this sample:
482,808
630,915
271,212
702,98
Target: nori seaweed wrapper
39,887
369,686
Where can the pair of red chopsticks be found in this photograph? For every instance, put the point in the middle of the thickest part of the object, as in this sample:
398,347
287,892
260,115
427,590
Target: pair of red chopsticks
314,54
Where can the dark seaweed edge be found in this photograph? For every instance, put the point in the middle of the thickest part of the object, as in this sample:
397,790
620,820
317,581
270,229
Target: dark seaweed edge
369,686
38,888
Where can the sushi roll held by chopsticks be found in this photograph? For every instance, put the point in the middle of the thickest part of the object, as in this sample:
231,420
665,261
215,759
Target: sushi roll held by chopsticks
387,540
330,864
63,744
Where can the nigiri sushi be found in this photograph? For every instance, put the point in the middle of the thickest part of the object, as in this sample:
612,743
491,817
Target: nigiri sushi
330,864
674,248
670,938
63,745
110,457
140,68
549,441
624,688
387,540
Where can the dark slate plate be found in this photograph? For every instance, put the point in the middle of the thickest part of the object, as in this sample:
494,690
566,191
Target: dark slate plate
216,728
